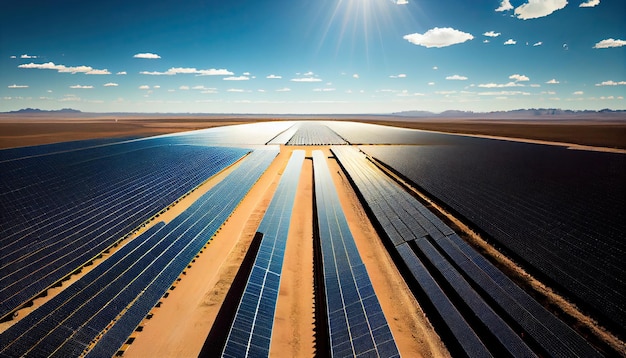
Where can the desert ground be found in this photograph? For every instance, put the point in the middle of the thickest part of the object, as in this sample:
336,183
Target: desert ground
18,131
189,321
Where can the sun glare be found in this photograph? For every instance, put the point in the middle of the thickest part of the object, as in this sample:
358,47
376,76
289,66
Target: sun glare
356,23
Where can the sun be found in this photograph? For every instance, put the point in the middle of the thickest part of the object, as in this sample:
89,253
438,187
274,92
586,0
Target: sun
358,24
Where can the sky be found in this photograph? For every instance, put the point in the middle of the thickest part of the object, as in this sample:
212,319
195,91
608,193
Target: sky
312,57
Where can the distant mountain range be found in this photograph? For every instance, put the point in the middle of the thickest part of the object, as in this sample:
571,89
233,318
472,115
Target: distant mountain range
517,113
37,110
533,113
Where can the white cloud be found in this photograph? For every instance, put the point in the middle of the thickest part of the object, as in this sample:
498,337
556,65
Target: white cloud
538,8
611,83
306,79
189,70
579,93
402,2
238,90
274,77
610,43
309,74
28,56
505,5
519,78
500,85
456,78
504,93
324,89
144,87
431,83
151,56
401,75
538,44
17,86
215,72
491,34
98,72
439,37
510,42
485,41
110,84
553,82
589,3
435,68
239,78
184,88
65,69
283,89
356,75
122,73
81,87
13,56
246,73
156,87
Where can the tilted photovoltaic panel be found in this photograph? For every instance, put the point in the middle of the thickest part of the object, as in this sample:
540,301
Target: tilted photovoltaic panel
115,296
63,209
356,323
251,332
448,272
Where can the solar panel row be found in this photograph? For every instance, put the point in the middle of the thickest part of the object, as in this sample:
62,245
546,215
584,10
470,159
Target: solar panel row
251,331
115,296
315,134
356,323
483,310
61,210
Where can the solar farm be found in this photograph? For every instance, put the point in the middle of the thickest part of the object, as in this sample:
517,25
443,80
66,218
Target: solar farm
99,239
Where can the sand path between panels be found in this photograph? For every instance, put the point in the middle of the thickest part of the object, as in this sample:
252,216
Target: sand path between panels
293,333
413,333
179,327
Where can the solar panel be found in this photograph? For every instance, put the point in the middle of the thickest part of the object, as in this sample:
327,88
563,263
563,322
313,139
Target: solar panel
119,292
251,332
69,206
448,271
356,323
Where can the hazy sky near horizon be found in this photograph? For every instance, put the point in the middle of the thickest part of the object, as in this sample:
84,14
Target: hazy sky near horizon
322,56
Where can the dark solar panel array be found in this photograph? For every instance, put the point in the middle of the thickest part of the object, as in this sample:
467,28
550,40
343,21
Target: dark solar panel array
105,306
483,310
310,133
356,323
60,210
251,331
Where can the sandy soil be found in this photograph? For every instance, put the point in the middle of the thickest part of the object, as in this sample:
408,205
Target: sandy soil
181,323
293,335
590,132
179,327
412,331
17,131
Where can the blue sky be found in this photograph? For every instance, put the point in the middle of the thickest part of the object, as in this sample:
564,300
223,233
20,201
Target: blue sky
323,56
